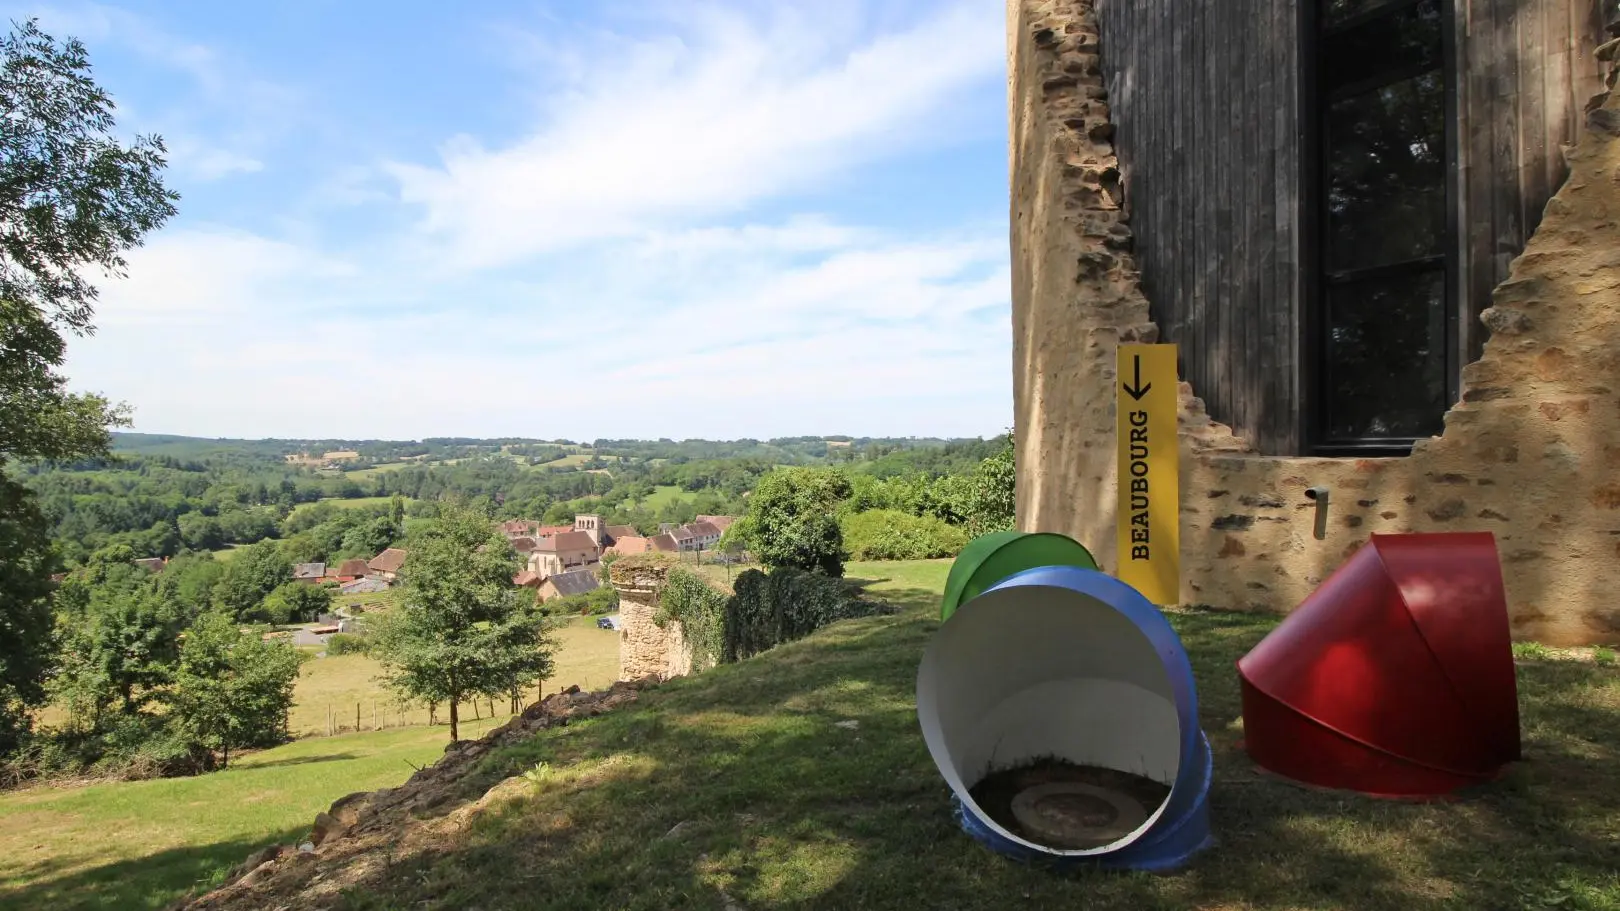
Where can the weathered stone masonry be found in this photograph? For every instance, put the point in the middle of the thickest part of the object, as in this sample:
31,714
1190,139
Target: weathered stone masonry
1531,453
645,648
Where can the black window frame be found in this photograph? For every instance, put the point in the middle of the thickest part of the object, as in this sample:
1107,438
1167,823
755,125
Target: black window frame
1316,277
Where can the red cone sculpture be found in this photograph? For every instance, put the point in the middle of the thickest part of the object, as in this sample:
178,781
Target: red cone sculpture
1395,677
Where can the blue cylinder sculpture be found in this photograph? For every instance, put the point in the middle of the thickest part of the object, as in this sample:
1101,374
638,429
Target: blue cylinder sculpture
1065,663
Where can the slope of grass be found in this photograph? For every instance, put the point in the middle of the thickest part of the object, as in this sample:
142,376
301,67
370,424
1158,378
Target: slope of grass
779,807
140,845
664,495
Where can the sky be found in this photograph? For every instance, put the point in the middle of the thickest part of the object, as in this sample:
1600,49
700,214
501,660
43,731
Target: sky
647,218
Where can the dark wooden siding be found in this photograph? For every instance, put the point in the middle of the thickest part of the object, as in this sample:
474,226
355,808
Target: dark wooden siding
1204,102
1525,72
1205,99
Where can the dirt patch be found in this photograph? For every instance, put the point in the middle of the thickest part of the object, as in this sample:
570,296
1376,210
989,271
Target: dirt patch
1067,818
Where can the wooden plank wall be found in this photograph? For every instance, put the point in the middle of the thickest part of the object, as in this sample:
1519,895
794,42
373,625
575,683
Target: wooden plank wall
1205,103
1205,109
1525,72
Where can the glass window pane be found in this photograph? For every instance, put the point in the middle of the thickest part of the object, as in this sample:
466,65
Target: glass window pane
1406,39
1336,11
1386,357
1386,173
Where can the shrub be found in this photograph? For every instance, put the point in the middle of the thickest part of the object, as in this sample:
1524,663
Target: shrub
347,644
886,534
788,604
702,612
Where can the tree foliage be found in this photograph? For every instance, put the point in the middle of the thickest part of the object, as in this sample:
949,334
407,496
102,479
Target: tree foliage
461,628
26,643
72,198
992,504
791,519
232,689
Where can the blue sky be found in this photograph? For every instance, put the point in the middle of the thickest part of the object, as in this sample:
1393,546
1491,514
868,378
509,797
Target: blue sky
564,219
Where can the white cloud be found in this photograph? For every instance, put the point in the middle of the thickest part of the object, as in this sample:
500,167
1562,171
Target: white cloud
725,114
610,275
860,339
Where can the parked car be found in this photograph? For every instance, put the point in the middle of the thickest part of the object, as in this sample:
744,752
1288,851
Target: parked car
607,622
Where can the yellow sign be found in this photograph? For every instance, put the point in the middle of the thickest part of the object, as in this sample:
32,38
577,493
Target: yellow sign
1149,472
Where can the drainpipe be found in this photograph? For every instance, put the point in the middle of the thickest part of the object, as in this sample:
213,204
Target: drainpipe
1319,495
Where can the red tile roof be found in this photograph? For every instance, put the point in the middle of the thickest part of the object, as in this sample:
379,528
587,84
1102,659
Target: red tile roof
664,543
703,529
630,544
355,567
527,579
565,541
389,561
524,545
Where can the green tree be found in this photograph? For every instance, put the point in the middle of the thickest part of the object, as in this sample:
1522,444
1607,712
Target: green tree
72,198
120,651
26,625
992,499
295,602
373,537
232,689
250,577
460,627
791,520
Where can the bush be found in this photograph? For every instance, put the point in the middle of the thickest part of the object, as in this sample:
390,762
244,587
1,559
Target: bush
787,604
126,747
887,534
347,644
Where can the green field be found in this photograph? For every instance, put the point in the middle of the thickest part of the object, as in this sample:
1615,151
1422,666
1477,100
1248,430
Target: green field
139,845
361,474
780,807
334,686
664,495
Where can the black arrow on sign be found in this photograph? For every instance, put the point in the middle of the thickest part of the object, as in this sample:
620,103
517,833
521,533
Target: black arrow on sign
1137,390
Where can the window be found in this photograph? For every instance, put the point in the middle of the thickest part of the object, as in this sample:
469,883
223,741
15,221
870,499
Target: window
1383,278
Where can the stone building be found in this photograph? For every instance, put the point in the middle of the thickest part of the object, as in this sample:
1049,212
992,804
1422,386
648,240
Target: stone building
1383,235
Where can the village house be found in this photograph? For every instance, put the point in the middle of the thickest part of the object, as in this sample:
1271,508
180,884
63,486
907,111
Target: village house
562,552
350,570
591,525
625,545
366,586
309,573
562,585
528,578
385,566
663,543
719,522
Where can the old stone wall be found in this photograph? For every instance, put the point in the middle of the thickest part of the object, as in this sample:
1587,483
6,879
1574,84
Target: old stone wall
645,648
1531,453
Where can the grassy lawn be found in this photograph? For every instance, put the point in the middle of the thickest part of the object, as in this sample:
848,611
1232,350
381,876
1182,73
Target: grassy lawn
664,495
360,474
139,845
225,553
586,656
574,460
780,808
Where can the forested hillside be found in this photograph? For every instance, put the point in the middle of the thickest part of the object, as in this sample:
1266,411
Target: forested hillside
160,495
